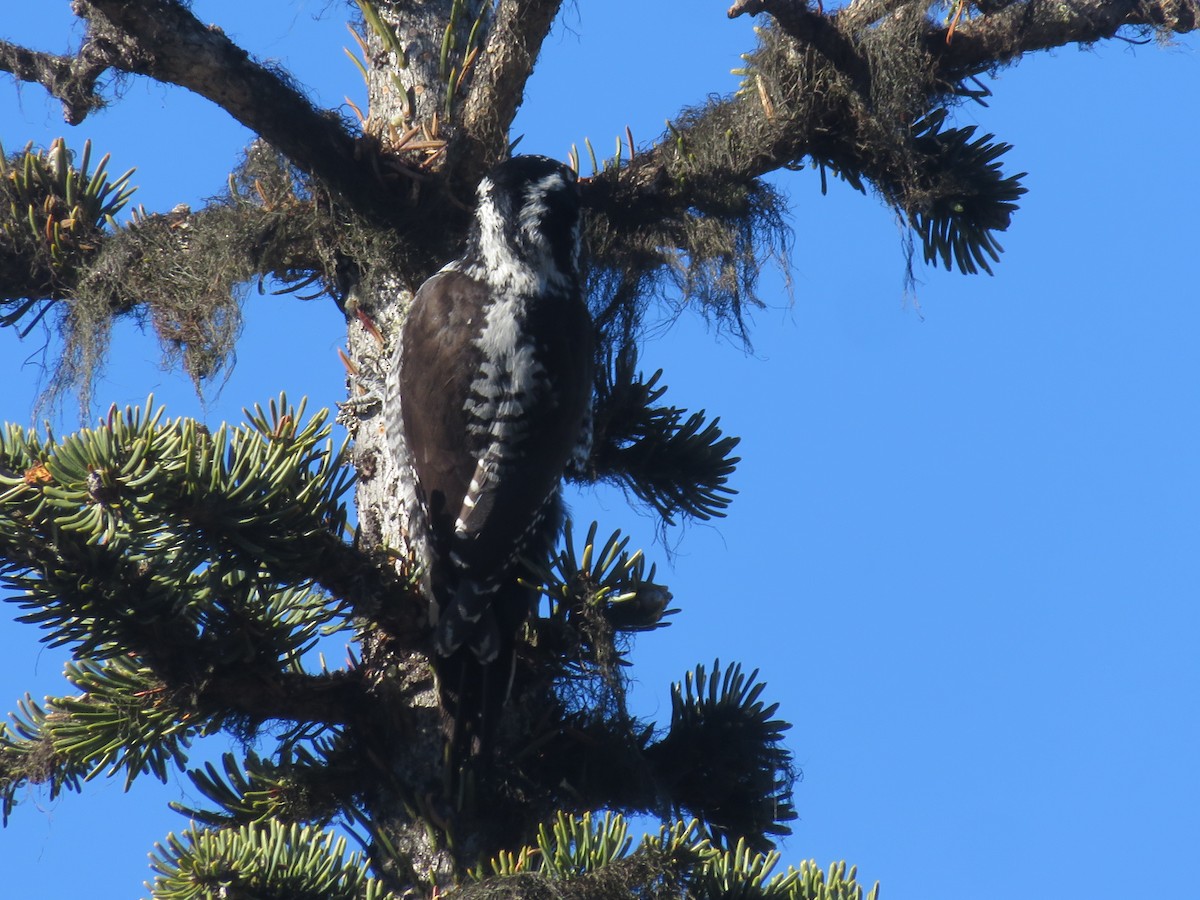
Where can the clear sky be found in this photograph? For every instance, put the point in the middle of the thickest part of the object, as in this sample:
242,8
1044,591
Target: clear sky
964,555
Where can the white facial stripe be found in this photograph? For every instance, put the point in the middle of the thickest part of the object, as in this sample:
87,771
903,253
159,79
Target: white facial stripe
527,266
534,209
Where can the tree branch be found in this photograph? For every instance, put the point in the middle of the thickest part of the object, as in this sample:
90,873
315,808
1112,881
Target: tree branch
369,584
71,79
861,13
498,88
811,90
986,40
163,40
1003,36
338,698
809,28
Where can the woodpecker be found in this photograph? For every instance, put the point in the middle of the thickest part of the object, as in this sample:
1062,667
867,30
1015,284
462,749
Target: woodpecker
488,402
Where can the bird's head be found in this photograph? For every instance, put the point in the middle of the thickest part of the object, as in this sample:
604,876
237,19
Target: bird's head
527,216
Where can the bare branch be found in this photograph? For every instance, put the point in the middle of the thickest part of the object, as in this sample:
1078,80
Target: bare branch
163,40
71,79
498,88
989,39
1003,36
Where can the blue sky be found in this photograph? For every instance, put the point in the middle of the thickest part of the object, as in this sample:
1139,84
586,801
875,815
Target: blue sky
963,555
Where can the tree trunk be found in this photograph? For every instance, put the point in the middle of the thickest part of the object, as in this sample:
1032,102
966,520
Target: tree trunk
407,89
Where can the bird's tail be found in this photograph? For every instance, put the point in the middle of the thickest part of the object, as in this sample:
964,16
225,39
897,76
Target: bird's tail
472,694
475,664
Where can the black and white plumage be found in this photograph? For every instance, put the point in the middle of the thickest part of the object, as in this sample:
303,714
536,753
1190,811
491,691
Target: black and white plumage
488,402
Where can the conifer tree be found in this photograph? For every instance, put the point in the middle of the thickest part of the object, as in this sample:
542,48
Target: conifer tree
191,573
